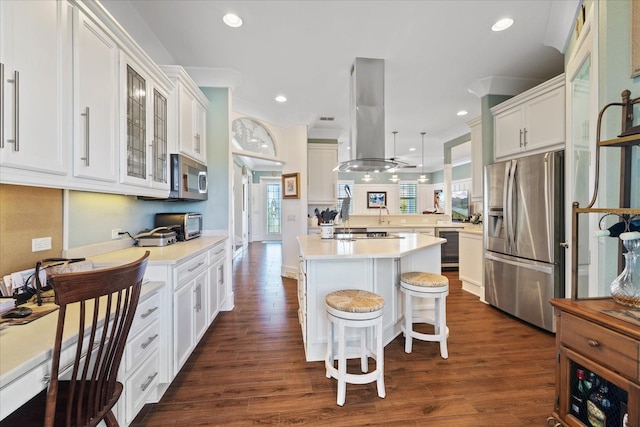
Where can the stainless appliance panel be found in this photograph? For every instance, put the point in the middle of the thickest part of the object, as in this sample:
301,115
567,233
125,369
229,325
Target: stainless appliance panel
188,179
496,175
536,208
522,288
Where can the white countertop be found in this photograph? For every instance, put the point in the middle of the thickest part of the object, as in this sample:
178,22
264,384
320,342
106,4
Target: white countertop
471,230
377,226
166,255
313,247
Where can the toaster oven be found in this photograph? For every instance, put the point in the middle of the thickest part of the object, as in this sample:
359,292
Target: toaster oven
187,225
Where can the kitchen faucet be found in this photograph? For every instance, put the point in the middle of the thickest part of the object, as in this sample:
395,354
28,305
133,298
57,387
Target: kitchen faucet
380,214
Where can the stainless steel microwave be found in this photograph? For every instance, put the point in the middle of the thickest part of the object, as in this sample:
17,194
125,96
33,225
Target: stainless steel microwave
188,179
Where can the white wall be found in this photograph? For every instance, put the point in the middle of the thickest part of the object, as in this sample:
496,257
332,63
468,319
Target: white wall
291,146
425,195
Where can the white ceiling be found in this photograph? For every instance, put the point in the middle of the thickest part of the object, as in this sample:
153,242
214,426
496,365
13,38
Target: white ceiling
434,52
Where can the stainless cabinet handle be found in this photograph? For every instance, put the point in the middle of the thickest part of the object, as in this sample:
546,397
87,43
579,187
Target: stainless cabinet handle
148,313
197,140
520,137
148,342
198,292
86,136
16,106
564,244
593,343
1,105
150,379
193,268
525,137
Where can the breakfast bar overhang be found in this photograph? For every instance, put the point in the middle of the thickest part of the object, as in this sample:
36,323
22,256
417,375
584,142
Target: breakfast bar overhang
372,264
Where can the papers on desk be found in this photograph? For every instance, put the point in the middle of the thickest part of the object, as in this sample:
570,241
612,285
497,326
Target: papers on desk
16,283
6,304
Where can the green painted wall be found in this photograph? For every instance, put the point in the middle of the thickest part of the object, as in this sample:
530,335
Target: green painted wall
217,209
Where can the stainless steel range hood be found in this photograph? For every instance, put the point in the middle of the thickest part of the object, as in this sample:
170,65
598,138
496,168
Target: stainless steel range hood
366,104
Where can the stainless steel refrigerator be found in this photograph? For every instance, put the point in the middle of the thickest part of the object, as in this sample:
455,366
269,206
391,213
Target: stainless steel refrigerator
524,228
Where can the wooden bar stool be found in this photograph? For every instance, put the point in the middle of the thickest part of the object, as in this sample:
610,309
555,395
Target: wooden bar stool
425,285
355,309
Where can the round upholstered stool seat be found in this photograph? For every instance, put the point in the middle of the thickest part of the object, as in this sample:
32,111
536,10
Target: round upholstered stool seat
423,285
355,309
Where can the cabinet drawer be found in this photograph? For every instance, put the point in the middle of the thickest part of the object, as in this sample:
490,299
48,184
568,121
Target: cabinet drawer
616,351
141,345
216,253
147,312
140,385
189,269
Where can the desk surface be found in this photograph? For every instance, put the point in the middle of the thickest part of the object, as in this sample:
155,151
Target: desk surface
24,347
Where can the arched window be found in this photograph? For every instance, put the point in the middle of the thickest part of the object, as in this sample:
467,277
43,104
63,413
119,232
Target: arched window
249,135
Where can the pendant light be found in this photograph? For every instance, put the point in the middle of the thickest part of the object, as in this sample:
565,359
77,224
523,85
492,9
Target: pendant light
394,177
423,178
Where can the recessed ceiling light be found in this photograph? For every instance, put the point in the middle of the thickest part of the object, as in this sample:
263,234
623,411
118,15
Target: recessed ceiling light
232,20
502,24
412,149
281,98
462,113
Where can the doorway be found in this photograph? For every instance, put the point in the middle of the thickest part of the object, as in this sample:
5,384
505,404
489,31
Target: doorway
267,210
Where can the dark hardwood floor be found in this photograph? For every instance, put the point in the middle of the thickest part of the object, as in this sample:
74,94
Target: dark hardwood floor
249,368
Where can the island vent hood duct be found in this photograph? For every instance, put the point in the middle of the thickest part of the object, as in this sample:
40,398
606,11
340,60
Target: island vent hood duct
366,108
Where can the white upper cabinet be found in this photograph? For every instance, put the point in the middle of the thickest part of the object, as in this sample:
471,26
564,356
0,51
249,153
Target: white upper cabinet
35,92
190,105
95,142
531,122
477,165
322,181
144,123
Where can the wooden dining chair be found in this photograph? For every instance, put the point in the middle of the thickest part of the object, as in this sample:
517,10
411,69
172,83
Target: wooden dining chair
91,392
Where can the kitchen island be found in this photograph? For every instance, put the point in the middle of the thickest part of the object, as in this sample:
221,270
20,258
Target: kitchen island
372,264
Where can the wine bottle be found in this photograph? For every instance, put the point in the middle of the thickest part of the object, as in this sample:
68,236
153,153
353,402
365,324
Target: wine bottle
579,396
599,407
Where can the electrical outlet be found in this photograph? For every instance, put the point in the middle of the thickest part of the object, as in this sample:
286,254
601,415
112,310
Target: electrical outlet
115,233
40,244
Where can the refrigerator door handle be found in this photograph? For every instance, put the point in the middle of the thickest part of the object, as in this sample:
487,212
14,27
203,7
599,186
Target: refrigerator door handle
511,220
505,204
536,267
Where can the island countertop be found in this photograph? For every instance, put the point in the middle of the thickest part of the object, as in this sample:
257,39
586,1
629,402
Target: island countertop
312,246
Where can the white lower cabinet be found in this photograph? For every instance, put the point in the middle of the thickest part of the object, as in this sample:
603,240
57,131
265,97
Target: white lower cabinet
302,297
140,366
470,267
183,326
189,313
201,298
217,290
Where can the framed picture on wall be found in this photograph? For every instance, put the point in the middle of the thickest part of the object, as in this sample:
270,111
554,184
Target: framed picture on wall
376,199
291,186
